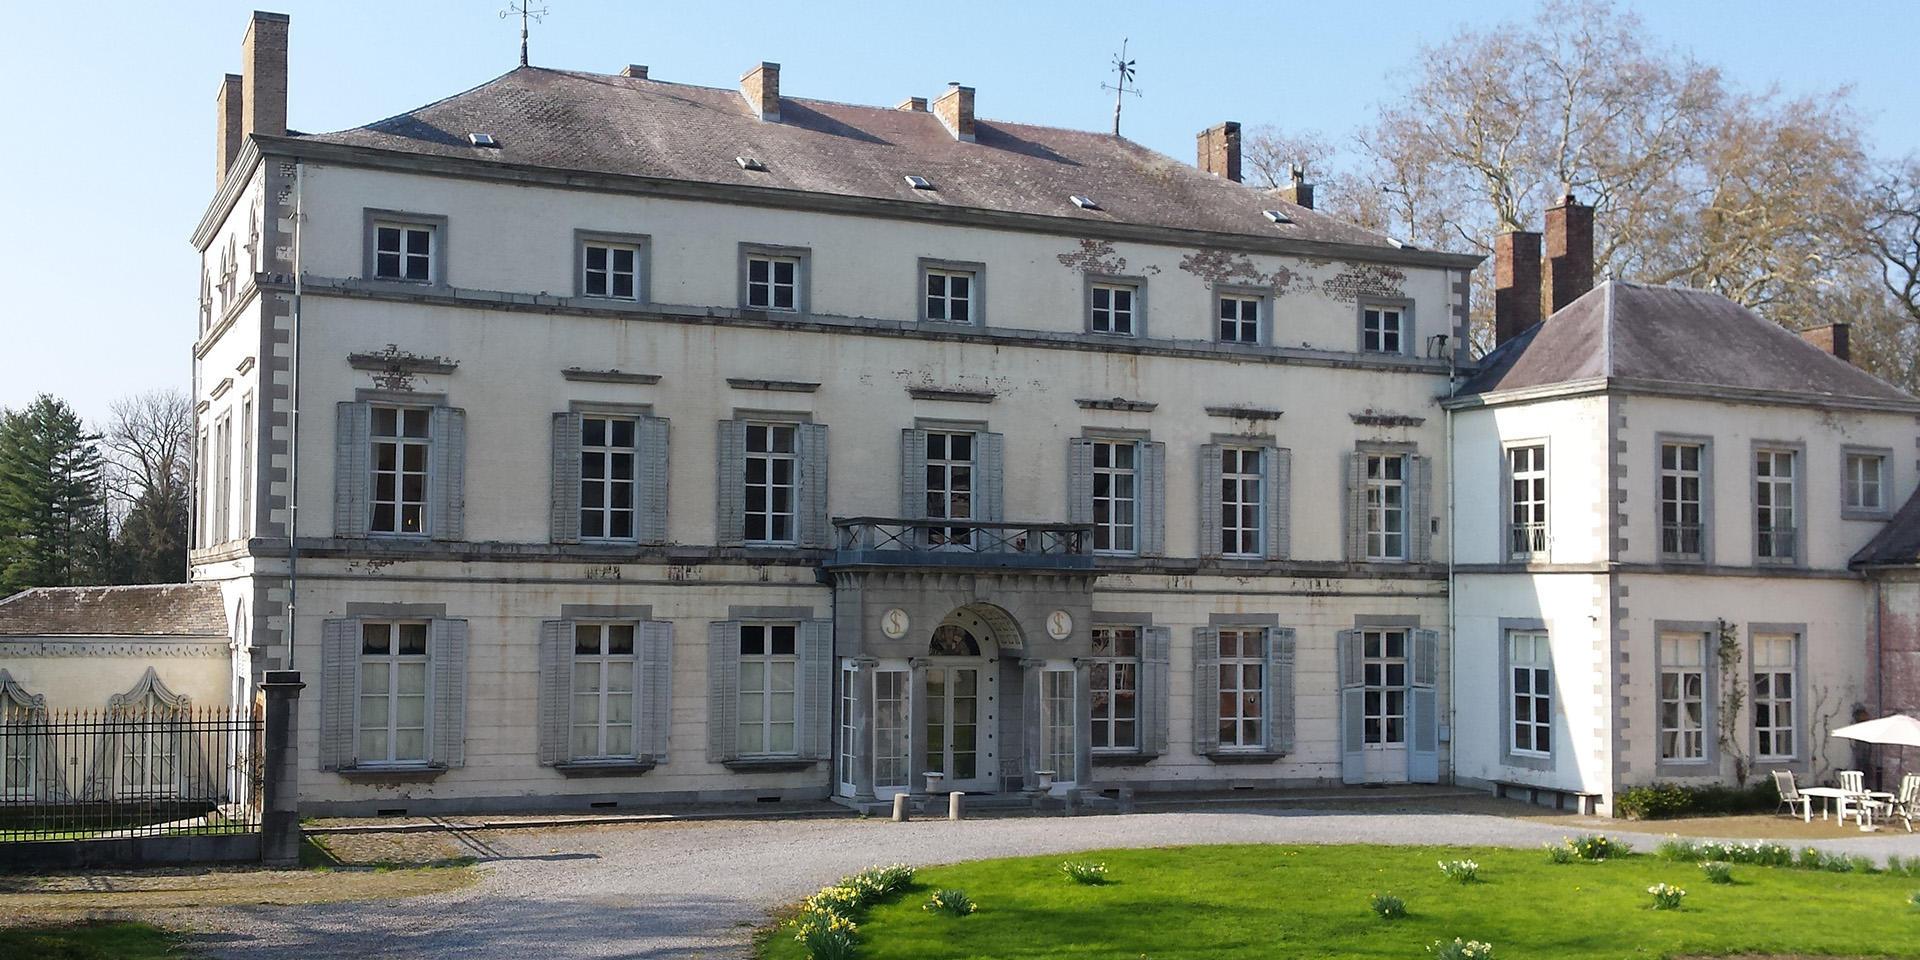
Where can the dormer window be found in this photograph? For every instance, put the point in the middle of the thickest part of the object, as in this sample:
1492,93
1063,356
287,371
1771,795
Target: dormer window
919,182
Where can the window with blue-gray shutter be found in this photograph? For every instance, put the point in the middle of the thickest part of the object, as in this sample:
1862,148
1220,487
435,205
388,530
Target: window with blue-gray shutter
1277,467
565,515
1423,708
730,512
352,468
1353,707
1211,480
339,670
1280,694
1153,499
447,504
815,650
1156,644
814,527
1206,690
447,663
723,691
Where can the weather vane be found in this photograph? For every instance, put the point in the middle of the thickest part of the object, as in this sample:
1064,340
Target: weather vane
526,11
1124,68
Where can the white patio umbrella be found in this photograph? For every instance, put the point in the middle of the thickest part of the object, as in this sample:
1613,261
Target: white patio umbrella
1897,729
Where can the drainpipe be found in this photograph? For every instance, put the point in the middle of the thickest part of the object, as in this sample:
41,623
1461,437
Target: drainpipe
1453,634
293,419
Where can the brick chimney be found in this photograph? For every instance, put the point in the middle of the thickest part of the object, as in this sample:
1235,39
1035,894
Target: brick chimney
229,122
955,110
263,83
761,87
1569,266
912,105
1834,338
1297,191
1219,148
1516,284
635,71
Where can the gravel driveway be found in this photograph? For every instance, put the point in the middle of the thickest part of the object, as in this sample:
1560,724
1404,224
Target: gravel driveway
686,890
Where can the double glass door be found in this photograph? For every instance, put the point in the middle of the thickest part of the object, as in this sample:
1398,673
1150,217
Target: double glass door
958,705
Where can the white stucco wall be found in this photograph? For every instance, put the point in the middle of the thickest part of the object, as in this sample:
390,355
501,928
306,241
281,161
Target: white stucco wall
1574,431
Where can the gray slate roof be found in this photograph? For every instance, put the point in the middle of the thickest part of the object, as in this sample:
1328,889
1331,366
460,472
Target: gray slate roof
1897,543
157,610
632,126
1632,331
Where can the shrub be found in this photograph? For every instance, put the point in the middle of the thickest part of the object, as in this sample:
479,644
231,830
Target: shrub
1666,896
1661,801
1461,950
1717,871
1387,906
1810,858
954,903
826,921
1677,850
1596,846
1559,853
1085,871
1464,871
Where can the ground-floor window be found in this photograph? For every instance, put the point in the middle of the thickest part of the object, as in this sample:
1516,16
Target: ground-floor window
890,730
1056,699
1115,684
1683,689
1243,686
768,667
1532,692
1383,667
1774,694
849,733
392,720
603,671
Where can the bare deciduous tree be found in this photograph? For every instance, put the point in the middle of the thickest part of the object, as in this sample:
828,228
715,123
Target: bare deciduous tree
1893,232
149,441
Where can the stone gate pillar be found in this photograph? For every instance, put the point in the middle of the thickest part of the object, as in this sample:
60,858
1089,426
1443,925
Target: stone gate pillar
280,770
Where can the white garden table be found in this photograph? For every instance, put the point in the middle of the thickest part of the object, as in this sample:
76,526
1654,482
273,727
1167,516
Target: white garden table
1838,801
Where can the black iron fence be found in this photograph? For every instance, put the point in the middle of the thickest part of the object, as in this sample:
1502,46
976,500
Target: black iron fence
101,775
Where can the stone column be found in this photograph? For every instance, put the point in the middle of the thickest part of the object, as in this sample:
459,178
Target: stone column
280,770
862,759
1083,722
1033,718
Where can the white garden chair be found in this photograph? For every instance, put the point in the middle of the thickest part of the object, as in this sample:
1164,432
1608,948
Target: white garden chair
1904,804
1796,803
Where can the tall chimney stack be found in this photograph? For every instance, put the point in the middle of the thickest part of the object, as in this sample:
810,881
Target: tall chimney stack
263,84
955,110
230,123
1834,338
1516,284
1569,267
761,87
1297,191
1220,150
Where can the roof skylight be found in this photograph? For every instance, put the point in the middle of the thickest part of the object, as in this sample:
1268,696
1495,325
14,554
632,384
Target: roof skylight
482,140
918,182
1084,203
1278,217
749,163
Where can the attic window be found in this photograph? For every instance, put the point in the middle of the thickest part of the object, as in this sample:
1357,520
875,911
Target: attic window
919,182
1278,217
749,163
1085,203
482,140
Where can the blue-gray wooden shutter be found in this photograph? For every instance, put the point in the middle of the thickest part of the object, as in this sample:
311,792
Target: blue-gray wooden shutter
447,665
650,474
555,706
447,504
352,468
1210,500
1356,518
1206,690
1279,692
1153,499
730,485
1156,646
565,520
1080,481
813,527
1420,512
913,473
1423,708
1353,708
339,692
1277,487
815,712
723,690
989,476
654,663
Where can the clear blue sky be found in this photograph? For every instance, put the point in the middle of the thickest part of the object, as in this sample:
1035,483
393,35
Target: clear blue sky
108,132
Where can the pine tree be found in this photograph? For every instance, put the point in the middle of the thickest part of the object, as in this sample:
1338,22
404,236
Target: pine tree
52,516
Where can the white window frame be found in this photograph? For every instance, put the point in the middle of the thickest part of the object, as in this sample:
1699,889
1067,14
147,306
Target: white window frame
1107,314
1383,679
402,255
223,479
247,428
1238,323
1116,514
764,293
1776,499
1683,681
389,664
1855,483
892,752
150,748
773,667
1057,703
609,667
605,456
20,756
1530,692
1242,503
1386,533
951,480
609,273
1776,658
401,443
1527,500
943,290
1113,680
1376,331
763,448
1673,501
1243,689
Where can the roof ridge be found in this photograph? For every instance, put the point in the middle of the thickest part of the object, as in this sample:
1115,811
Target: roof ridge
1606,330
452,96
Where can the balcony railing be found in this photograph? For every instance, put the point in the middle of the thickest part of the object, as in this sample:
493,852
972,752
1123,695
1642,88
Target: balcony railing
1528,540
1777,543
1680,540
970,543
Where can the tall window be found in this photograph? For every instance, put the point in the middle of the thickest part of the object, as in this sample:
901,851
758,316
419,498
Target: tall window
1240,497
400,444
1532,677
773,282
611,270
770,482
392,721
767,667
1680,499
1865,482
1683,691
1773,503
1115,496
1056,695
603,691
1386,507
1113,309
203,494
1382,330
1243,689
246,466
1239,319
223,480
1774,695
1115,681
1527,473
950,296
403,251
890,758
606,478
950,486
1383,673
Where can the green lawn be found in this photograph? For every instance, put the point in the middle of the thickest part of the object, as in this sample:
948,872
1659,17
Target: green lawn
88,941
1280,902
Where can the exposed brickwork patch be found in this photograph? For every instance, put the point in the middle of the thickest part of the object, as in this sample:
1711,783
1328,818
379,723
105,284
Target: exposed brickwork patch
1225,266
1366,279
